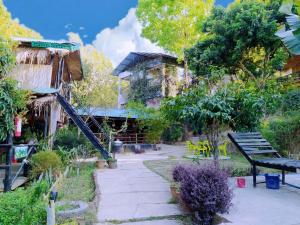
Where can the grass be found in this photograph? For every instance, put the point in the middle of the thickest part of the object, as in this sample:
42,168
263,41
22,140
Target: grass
79,187
238,164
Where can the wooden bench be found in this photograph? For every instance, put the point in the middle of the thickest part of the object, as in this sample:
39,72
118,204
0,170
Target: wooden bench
259,152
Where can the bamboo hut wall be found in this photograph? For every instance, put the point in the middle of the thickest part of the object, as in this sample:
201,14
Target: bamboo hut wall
31,76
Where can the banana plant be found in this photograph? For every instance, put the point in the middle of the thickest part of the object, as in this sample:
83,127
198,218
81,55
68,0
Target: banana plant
290,35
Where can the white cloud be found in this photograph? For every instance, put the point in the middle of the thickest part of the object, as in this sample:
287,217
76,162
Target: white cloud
68,26
116,43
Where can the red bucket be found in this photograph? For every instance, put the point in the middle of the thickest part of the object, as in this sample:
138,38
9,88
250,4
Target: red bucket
241,182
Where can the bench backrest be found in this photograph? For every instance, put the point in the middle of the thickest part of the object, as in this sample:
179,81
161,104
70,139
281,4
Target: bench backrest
250,144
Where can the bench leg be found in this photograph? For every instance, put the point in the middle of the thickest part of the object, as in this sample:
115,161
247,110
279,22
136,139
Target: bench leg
283,177
254,175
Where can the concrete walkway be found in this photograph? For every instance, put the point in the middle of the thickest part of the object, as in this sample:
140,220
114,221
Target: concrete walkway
134,192
261,206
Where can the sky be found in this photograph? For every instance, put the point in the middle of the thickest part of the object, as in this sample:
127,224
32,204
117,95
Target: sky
110,25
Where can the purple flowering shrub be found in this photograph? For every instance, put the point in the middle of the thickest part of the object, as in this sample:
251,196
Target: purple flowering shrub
179,172
204,190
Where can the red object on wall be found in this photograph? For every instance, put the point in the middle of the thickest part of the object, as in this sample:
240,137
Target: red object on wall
14,160
241,182
18,126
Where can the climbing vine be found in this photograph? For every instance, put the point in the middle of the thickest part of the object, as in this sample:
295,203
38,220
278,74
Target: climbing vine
152,83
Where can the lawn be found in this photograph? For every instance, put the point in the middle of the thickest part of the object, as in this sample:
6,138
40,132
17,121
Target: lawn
237,164
79,187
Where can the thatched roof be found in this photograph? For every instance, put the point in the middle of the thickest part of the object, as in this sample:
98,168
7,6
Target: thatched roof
45,52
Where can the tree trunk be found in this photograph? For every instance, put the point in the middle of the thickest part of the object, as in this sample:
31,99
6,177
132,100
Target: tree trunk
213,139
186,74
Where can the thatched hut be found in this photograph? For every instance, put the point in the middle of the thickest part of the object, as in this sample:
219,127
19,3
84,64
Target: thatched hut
45,67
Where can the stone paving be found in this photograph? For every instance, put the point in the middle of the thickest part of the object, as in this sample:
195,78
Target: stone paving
134,192
261,206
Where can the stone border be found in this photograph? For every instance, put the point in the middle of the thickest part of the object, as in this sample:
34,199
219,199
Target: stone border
82,208
97,197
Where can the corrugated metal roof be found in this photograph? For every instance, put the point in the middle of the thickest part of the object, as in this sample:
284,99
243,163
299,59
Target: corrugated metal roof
36,43
106,112
45,90
136,57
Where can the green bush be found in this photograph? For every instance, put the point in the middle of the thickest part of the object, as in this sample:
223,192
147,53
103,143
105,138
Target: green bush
283,132
44,161
173,133
24,207
68,138
291,101
13,101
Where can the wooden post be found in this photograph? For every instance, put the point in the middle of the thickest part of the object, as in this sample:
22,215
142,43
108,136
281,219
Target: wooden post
51,213
254,174
136,138
51,207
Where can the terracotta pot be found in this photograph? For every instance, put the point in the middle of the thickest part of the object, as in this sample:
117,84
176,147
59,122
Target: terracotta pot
100,164
112,164
175,192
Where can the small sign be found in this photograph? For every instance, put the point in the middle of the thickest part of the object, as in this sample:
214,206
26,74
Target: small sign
21,151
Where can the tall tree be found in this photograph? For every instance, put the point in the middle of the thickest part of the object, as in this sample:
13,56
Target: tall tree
99,87
241,41
12,28
173,25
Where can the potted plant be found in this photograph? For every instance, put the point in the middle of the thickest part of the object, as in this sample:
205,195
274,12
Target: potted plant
174,188
112,163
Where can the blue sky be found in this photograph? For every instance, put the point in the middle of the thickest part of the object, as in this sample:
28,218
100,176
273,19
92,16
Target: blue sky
109,25
86,17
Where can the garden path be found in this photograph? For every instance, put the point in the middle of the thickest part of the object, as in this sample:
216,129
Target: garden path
133,192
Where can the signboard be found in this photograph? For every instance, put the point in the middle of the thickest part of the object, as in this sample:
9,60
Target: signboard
20,152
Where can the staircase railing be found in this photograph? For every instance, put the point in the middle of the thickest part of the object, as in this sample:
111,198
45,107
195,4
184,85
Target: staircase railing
87,111
82,125
9,180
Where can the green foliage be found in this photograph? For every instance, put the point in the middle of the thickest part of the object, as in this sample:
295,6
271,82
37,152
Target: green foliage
12,102
289,34
24,206
173,132
150,120
68,138
291,101
240,40
44,161
78,186
7,57
173,25
99,87
142,90
211,113
174,109
12,28
250,102
283,132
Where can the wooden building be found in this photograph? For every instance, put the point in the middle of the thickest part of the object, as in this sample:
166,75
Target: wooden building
292,70
121,121
45,67
161,74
